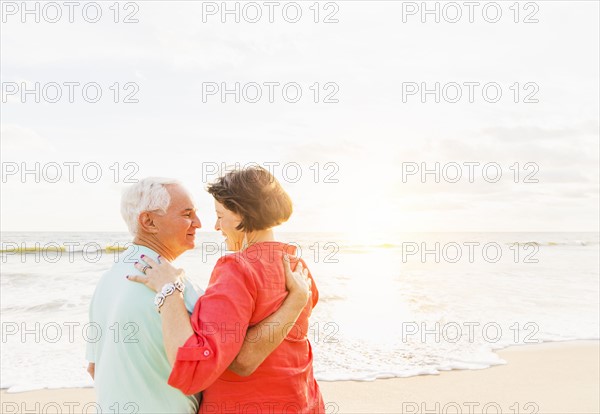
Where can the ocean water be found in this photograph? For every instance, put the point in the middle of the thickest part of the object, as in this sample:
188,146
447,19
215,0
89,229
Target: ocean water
390,305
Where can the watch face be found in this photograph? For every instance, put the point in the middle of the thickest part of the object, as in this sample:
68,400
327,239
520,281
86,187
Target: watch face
168,289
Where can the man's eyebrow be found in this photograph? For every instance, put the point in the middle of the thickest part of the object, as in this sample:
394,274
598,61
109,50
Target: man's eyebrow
189,209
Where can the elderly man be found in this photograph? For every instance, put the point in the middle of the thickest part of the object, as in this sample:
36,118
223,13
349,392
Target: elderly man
128,363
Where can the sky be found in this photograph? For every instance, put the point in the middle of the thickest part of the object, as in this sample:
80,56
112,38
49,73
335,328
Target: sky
353,160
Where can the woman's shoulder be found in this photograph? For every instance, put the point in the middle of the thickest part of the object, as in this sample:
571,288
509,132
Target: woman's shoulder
256,259
233,260
259,252
233,267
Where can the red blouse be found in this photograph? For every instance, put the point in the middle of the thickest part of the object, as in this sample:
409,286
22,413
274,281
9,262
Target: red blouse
245,288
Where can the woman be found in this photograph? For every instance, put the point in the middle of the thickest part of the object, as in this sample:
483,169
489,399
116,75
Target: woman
245,287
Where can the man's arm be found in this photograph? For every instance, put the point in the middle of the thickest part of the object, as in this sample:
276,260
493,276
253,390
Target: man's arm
91,369
270,332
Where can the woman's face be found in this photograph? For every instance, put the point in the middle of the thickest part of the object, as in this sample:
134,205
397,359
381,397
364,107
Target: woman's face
227,221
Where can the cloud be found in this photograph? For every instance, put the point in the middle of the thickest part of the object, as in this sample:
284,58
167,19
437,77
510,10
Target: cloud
18,141
368,134
536,133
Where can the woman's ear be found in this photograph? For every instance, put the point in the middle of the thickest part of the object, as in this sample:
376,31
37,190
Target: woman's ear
146,222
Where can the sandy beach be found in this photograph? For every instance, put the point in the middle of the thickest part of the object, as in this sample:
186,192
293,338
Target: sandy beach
547,378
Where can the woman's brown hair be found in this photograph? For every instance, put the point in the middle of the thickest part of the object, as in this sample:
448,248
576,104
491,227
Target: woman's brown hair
255,195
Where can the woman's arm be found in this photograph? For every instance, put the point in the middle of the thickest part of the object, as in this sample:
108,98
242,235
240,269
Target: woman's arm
176,325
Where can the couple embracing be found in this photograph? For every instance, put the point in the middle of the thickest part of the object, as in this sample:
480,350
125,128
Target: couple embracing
240,346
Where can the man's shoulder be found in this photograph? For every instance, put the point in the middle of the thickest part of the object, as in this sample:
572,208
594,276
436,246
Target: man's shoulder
116,294
125,261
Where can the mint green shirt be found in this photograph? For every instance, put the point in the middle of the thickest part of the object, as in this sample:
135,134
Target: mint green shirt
124,340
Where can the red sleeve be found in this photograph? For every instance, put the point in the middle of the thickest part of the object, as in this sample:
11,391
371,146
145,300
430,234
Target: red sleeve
220,321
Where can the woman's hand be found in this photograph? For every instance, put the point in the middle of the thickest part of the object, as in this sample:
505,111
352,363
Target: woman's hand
156,274
297,283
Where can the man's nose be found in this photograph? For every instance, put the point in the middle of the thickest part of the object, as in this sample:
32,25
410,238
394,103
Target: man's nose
217,227
196,223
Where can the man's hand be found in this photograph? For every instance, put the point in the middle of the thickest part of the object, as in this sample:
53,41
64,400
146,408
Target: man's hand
297,283
91,369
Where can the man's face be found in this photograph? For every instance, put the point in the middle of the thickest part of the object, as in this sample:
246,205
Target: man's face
177,228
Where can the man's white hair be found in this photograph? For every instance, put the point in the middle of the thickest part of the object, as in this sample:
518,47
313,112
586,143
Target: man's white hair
150,194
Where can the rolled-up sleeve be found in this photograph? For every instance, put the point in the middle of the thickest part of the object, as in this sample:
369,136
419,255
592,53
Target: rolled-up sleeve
220,321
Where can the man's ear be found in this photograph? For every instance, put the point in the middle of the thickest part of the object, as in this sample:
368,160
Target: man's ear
146,222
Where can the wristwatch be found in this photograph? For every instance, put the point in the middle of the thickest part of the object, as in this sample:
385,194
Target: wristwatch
167,290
